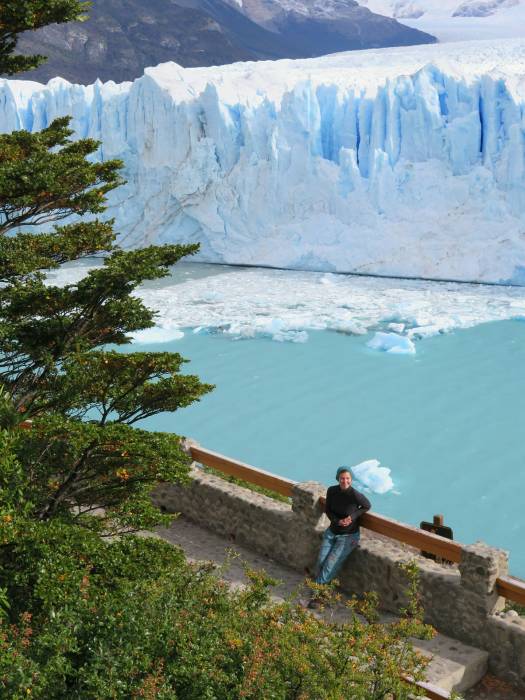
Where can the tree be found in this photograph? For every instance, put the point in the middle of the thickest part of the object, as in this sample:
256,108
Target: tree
18,16
82,455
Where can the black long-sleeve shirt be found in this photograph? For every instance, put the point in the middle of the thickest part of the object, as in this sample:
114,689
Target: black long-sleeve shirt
341,503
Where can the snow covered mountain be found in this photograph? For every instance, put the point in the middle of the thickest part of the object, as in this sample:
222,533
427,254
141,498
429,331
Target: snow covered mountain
122,37
395,161
457,20
270,12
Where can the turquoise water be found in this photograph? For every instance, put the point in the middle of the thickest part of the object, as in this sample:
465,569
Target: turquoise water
449,421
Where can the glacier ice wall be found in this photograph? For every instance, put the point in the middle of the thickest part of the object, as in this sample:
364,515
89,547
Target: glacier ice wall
406,162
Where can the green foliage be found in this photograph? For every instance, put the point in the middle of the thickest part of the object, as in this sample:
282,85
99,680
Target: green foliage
414,609
17,16
125,388
129,619
82,455
73,469
45,176
23,255
47,330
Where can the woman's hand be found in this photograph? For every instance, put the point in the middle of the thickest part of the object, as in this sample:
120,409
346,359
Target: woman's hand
345,521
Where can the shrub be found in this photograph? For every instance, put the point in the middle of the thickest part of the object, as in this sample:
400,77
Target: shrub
130,618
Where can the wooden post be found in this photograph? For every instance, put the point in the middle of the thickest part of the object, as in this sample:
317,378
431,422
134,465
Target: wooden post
438,528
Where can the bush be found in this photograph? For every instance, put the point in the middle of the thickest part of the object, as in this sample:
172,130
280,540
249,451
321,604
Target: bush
87,618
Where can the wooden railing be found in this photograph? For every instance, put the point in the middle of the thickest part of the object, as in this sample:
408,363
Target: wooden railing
242,471
385,526
427,541
507,586
511,588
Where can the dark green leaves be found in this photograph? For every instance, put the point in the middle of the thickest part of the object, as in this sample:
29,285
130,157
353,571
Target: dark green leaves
45,177
24,254
75,468
112,386
51,338
132,619
41,326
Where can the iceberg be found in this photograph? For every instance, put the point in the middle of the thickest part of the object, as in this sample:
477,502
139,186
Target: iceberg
373,477
397,162
393,343
157,334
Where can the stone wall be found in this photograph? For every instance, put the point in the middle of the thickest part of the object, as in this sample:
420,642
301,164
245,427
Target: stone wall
459,601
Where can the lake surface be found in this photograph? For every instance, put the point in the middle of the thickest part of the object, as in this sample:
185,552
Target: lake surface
448,421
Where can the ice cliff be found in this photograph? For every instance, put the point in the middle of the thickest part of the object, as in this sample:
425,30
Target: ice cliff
393,161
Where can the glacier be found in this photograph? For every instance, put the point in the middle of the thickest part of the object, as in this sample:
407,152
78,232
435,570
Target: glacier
398,162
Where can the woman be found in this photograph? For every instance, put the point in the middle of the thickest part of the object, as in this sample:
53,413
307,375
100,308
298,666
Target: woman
344,507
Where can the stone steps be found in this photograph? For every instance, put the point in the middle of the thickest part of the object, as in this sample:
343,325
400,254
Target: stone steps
454,666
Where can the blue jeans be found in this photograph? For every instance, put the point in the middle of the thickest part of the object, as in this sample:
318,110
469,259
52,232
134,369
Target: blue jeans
334,552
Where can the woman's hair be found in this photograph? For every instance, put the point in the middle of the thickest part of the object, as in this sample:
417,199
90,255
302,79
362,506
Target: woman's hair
341,470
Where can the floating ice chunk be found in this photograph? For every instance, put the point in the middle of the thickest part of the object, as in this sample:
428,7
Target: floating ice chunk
276,325
400,350
392,343
274,328
259,302
396,327
373,477
425,331
349,327
291,336
157,335
204,330
240,330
